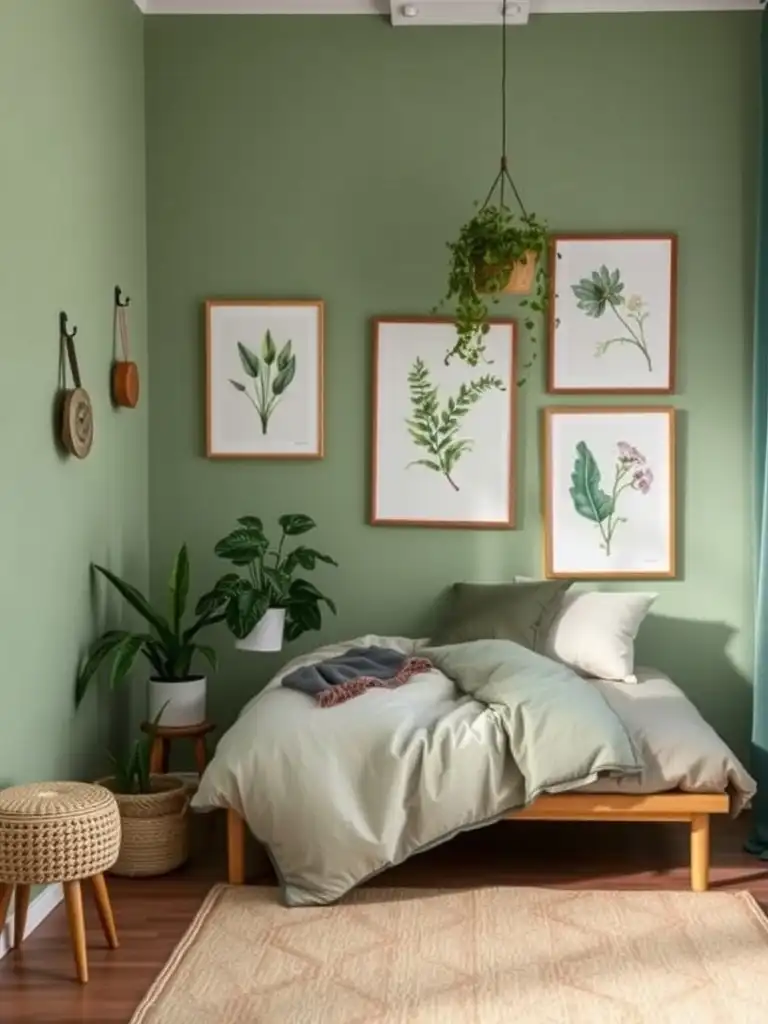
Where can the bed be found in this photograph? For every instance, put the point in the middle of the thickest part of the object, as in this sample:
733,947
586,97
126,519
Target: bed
687,773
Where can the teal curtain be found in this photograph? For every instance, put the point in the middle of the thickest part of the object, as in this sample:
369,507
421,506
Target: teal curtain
758,843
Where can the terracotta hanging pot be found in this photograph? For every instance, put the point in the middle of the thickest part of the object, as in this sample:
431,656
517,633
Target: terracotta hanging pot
520,279
76,426
125,373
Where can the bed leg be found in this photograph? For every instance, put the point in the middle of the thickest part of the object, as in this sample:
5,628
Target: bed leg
235,848
700,852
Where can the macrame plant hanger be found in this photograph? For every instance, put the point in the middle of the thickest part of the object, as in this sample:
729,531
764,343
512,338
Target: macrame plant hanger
503,177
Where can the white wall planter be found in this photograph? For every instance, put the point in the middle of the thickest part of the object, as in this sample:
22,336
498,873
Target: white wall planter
186,701
267,634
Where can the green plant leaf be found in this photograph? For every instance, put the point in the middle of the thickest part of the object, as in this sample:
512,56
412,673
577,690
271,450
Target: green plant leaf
138,602
125,655
294,523
245,609
100,650
279,581
251,362
209,654
428,464
284,377
237,384
252,522
306,558
284,356
268,350
243,545
179,587
589,499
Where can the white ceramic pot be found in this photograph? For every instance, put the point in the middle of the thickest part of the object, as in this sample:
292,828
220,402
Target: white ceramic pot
186,701
267,634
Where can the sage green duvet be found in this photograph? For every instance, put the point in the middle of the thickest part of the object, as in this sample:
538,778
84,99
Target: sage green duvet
338,794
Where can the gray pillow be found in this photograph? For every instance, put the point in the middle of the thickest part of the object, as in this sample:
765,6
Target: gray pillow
523,612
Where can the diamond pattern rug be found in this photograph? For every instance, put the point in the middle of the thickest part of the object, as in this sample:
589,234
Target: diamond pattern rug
485,956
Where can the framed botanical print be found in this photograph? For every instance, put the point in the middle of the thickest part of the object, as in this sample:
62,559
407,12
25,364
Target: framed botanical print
443,433
613,314
264,379
609,492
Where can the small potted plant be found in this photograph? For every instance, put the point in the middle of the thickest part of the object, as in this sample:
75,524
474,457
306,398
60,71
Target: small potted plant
496,252
153,813
269,602
169,647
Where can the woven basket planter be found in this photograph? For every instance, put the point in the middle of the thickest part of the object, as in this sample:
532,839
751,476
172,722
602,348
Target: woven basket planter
520,280
155,836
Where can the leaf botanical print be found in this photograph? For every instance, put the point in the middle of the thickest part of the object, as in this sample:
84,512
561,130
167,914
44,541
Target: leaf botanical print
436,429
604,291
269,374
631,470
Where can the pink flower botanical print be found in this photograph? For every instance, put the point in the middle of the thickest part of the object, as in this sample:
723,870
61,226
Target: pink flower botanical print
630,472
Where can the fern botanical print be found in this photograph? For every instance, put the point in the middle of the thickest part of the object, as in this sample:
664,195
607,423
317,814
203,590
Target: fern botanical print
269,375
603,291
435,428
631,470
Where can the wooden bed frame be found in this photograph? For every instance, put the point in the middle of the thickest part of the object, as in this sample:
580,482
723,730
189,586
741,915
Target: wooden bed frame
693,808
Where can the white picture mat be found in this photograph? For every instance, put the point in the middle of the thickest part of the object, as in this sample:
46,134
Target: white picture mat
234,426
483,475
642,546
647,271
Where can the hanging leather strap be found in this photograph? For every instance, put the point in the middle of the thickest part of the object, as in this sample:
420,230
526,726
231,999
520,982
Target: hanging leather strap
122,328
72,357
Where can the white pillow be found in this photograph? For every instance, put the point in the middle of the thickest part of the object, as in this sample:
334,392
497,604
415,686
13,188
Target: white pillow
594,632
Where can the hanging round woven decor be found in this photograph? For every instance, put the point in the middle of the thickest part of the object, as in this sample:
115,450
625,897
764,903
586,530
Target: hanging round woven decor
76,410
125,373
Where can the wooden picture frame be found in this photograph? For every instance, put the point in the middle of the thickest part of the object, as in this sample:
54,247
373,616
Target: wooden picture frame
612,314
467,482
261,356
609,492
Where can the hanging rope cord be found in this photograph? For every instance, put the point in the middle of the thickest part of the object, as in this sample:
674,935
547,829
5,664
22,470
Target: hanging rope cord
504,175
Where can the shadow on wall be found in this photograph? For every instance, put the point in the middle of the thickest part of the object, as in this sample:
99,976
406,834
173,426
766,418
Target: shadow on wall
695,656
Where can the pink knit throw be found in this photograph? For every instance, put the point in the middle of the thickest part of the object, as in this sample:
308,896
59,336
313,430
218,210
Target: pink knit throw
354,687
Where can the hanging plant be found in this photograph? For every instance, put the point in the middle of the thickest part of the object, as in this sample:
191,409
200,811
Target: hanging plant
497,251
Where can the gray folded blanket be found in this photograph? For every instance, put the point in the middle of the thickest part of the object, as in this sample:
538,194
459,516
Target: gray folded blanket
353,672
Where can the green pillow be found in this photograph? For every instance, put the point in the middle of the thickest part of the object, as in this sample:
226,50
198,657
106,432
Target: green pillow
523,612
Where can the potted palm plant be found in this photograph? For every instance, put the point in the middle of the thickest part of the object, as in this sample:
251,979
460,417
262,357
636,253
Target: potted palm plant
270,602
495,253
153,813
175,689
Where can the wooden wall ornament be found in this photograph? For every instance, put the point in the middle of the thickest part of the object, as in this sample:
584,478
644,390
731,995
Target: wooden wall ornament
76,412
125,373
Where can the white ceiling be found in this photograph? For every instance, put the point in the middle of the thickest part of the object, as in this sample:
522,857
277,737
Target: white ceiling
448,12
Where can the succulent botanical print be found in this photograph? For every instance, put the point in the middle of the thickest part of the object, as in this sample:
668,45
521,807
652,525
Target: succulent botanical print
604,291
631,470
436,428
269,376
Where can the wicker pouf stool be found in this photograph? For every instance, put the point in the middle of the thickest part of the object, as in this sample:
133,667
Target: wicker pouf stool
58,832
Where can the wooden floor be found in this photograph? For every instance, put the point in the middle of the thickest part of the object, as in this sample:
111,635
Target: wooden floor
38,984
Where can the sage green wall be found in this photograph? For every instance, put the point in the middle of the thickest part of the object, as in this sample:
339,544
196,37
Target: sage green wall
72,226
334,157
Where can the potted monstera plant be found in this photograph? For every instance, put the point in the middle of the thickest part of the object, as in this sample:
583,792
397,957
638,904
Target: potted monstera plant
266,601
497,252
170,647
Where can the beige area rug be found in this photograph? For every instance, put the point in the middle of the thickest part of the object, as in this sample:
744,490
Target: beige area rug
487,956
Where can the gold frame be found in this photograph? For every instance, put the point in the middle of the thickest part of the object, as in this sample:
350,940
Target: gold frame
692,808
303,456
442,524
609,410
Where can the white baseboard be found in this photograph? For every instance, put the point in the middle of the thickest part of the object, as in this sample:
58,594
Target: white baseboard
40,907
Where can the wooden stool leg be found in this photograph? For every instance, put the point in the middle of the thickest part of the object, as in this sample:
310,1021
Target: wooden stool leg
201,757
73,897
104,908
20,908
235,848
700,853
6,891
156,756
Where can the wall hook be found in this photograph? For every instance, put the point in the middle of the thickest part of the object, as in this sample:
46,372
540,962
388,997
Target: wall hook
63,323
118,293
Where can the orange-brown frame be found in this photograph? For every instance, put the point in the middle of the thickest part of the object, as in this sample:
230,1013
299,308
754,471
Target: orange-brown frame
510,522
609,410
598,237
317,304
693,809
